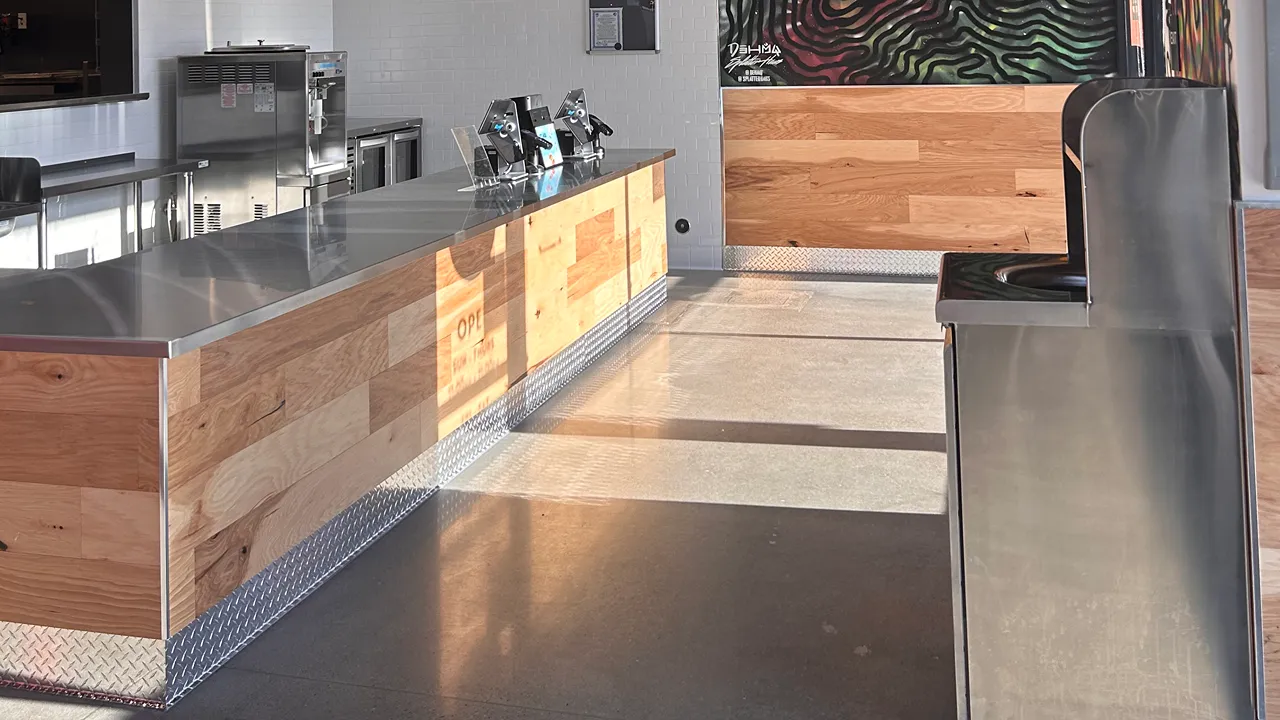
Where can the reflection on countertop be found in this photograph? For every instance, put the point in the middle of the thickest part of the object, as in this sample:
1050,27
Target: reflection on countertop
176,297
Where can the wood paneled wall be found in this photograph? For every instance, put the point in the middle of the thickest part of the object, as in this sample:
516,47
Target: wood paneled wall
79,492
275,430
1262,269
952,168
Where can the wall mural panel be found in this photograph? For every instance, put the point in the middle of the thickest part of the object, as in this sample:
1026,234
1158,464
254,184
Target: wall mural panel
911,42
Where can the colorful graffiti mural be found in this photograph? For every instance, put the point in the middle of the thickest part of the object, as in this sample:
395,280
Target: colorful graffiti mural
856,42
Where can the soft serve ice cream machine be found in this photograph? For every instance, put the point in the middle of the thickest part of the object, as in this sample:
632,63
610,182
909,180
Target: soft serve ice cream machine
272,120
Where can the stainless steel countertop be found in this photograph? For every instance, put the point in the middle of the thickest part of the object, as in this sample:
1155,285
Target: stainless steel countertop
176,297
360,127
109,171
970,293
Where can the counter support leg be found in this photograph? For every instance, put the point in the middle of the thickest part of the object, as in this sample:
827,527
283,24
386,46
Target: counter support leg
42,236
137,217
189,201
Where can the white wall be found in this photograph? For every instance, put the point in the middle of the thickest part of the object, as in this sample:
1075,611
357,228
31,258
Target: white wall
445,60
1249,72
166,29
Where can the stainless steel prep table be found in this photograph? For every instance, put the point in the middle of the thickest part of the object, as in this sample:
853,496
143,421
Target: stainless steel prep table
359,126
104,172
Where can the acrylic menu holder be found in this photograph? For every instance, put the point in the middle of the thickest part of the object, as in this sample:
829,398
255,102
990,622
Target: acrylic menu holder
475,158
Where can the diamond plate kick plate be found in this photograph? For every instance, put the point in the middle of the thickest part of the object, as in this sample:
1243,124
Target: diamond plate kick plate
835,261
154,673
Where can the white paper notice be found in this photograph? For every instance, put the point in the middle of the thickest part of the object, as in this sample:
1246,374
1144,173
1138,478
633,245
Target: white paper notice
606,28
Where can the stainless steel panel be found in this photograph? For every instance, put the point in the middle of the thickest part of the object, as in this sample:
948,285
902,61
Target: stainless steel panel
251,115
1170,268
1104,541
955,528
1103,524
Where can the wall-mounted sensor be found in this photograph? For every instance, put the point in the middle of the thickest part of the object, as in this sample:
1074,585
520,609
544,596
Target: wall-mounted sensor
682,226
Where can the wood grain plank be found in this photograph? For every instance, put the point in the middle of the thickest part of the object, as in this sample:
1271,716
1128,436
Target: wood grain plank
658,172
235,360
593,234
335,486
234,555
1041,212
321,375
923,99
94,385
770,126
78,450
182,589
1052,239
988,154
818,152
184,381
403,386
40,519
216,498
1262,247
774,100
78,594
600,253
1262,268
411,329
904,236
787,207
551,319
767,177
1043,129
1271,649
1046,98
1040,183
647,228
1264,328
221,426
913,179
120,526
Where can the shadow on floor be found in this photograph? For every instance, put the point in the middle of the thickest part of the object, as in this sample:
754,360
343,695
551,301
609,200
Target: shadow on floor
764,433
520,608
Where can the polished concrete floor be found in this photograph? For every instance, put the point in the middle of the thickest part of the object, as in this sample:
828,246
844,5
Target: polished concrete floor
737,513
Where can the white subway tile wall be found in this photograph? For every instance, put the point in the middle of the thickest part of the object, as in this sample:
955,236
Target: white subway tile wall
445,60
441,59
166,29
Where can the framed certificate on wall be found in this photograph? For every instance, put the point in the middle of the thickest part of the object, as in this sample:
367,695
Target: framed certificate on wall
615,26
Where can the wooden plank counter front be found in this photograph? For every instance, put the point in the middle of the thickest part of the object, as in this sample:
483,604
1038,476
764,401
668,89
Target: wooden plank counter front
948,168
224,458
1261,240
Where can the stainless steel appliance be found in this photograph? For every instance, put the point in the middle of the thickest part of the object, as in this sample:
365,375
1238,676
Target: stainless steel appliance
383,151
272,121
1101,541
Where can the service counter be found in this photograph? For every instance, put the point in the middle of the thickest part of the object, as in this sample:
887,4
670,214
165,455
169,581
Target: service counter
198,435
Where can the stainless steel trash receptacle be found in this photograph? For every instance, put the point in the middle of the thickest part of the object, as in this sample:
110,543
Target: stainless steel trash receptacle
1098,493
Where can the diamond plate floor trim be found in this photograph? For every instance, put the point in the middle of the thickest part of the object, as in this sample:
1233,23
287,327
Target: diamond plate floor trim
836,261
218,634
89,665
